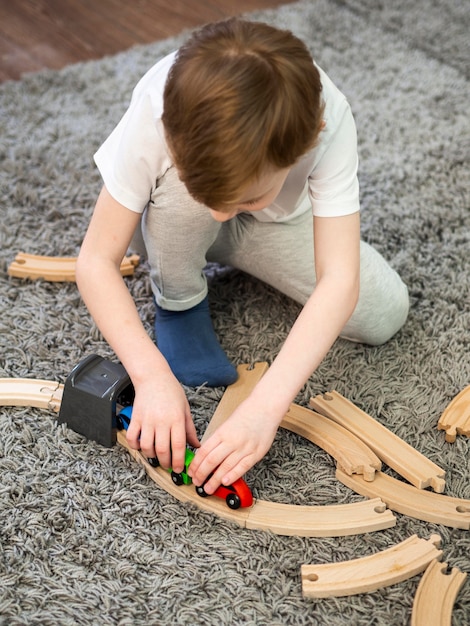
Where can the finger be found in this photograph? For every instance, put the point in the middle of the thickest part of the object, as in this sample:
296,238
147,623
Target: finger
191,433
215,468
162,447
238,471
200,455
227,473
149,448
133,435
206,461
178,449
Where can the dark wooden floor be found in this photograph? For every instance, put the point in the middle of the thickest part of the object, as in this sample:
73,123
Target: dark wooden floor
39,34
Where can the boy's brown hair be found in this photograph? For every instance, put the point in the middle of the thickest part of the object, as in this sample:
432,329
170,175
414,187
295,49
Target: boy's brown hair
241,97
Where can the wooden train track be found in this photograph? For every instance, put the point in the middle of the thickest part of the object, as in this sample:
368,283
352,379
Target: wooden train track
391,566
436,594
455,419
41,394
57,269
336,520
353,458
408,500
287,519
396,453
248,378
312,521
350,453
384,491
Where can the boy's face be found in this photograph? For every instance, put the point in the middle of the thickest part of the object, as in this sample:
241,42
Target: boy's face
256,197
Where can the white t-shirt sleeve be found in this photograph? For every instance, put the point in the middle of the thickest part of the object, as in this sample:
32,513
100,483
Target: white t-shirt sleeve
333,184
135,155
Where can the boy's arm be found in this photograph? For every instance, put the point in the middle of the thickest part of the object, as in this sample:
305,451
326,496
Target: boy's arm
161,416
248,434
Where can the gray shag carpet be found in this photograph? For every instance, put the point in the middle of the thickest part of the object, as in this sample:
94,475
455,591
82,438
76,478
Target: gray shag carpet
86,538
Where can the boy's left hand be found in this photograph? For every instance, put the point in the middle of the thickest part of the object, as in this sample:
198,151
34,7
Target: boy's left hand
234,448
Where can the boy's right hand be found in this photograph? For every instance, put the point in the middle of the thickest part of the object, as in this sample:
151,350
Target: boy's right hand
161,424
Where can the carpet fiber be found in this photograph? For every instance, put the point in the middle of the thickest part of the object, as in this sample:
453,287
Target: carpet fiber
86,538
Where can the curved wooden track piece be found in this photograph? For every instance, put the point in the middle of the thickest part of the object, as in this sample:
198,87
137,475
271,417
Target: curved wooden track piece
42,394
436,594
336,520
398,563
396,453
282,519
455,419
351,454
408,500
57,269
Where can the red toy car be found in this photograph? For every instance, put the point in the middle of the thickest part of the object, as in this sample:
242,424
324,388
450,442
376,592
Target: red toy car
236,495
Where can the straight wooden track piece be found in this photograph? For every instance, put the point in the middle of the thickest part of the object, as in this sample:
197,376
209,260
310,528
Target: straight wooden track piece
281,519
455,419
391,566
248,377
57,269
436,594
42,394
399,455
408,500
352,455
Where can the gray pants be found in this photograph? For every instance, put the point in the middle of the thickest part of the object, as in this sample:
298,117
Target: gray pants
181,237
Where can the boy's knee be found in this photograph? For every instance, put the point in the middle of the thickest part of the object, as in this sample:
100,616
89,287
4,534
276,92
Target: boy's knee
391,318
376,320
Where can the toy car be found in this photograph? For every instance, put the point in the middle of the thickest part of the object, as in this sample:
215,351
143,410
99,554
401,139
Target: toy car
236,495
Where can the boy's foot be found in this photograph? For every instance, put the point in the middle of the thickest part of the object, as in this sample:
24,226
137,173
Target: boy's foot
188,342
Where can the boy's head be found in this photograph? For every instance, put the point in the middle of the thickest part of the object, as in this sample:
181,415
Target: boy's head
241,99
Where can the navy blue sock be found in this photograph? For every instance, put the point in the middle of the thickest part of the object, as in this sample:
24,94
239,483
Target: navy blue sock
188,342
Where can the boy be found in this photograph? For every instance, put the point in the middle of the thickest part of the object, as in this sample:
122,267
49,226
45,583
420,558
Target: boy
225,149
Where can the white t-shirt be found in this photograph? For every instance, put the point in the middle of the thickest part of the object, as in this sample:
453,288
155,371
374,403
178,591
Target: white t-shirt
135,156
